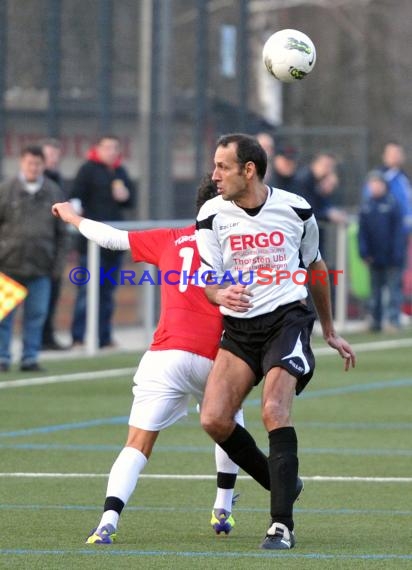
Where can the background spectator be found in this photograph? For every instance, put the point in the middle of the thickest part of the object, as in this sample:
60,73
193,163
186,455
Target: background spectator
284,168
52,155
382,247
32,249
267,142
103,190
393,160
328,185
52,152
308,179
316,182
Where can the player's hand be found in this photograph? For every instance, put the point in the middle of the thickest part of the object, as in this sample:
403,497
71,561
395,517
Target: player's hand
66,212
344,349
235,298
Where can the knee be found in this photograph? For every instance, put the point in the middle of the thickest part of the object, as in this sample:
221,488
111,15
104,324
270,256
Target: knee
275,414
141,440
217,427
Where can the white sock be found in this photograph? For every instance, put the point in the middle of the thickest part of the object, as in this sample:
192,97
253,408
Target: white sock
109,517
123,479
224,499
224,464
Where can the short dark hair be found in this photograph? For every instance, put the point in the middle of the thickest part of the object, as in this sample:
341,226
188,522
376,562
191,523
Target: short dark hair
108,136
392,142
324,153
288,151
247,150
54,143
377,175
33,149
207,189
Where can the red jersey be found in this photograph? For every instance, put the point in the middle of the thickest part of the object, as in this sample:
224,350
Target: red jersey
187,320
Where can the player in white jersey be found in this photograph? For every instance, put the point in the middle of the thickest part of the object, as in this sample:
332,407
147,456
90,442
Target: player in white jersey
267,252
260,245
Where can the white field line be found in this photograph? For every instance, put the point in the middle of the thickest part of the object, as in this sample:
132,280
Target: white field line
57,378
367,346
315,478
102,374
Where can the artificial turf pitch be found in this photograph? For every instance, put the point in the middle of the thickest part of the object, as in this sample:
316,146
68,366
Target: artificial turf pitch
58,442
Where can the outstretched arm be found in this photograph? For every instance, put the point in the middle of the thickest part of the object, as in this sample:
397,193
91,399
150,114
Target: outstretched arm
320,289
103,234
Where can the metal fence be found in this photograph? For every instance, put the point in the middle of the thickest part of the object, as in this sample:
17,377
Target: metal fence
166,76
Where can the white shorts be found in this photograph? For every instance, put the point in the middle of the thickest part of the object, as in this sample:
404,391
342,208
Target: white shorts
164,382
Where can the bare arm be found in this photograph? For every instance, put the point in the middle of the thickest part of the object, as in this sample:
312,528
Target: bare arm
234,297
320,289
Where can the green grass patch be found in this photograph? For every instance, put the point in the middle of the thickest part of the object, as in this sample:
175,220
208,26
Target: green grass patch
349,424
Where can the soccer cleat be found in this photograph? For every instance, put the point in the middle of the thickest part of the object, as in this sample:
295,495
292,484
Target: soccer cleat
217,519
278,537
104,535
222,521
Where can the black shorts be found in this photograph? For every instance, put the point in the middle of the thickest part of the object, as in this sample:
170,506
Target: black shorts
280,338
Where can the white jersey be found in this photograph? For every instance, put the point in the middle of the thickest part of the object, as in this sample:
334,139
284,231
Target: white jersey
268,252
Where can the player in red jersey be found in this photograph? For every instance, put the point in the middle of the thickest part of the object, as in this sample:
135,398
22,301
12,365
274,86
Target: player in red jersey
174,368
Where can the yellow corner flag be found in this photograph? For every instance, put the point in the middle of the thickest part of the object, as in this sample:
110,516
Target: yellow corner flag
11,294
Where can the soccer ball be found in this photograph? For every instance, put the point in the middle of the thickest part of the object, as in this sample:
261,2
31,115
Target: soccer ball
289,55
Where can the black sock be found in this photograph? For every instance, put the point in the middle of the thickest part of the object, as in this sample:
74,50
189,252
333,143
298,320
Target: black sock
113,504
242,449
226,480
283,467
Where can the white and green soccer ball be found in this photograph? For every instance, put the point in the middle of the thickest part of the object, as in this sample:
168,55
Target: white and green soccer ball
289,55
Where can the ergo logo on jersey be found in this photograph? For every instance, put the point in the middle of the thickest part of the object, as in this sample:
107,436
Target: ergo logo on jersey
246,241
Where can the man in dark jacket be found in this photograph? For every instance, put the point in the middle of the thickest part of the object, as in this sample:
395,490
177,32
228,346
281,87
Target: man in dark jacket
284,169
102,190
52,152
382,247
32,247
313,182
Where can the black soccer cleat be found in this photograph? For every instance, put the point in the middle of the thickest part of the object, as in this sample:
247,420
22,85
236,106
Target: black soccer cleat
278,537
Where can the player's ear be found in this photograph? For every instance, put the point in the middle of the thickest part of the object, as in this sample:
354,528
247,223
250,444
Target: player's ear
249,169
